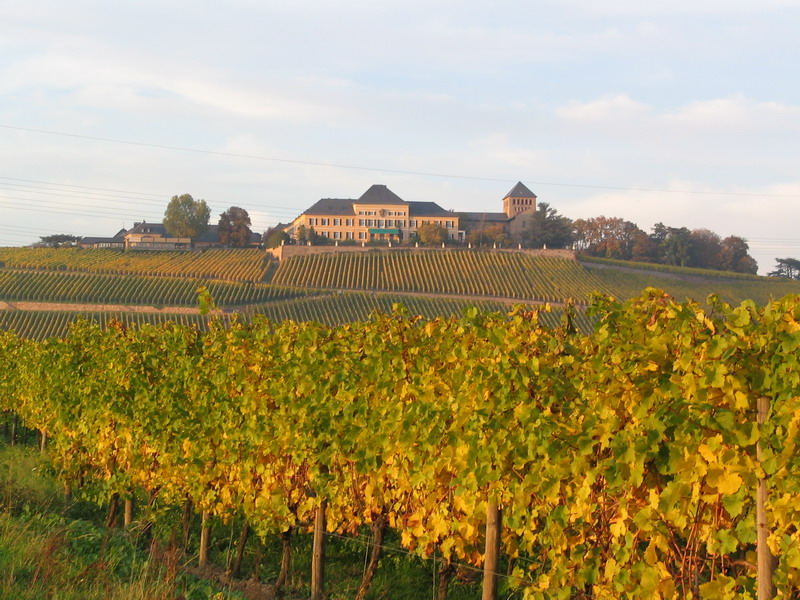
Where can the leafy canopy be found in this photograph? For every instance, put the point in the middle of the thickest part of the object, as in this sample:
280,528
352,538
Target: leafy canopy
186,217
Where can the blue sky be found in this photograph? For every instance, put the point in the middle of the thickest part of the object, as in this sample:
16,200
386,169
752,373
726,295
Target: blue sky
662,97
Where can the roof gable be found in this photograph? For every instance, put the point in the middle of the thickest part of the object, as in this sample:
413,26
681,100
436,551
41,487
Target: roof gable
144,227
520,191
331,206
427,209
380,194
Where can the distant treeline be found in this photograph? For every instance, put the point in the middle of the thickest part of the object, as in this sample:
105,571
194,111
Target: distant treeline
613,237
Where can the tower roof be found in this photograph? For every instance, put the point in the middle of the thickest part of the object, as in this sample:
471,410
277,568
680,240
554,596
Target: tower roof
520,191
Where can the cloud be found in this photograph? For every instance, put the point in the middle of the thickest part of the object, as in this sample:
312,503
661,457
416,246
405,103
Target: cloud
662,8
100,81
606,108
736,112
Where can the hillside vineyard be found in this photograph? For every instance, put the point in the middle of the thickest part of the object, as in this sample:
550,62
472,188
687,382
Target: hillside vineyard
624,460
232,265
331,310
90,288
507,274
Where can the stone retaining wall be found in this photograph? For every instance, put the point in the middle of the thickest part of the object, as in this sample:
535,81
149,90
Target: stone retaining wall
288,251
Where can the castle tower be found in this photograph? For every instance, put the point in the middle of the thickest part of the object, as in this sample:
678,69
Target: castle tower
518,200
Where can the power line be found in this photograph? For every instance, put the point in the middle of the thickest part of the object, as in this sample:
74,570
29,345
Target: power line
380,169
85,187
107,198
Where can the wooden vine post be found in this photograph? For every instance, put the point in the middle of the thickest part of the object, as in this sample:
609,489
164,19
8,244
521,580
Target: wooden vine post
203,556
128,512
492,552
318,554
764,559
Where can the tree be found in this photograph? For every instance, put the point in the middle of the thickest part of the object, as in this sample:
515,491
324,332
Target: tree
234,227
734,256
547,228
490,234
610,237
705,248
59,240
675,247
788,268
186,217
273,237
307,234
643,248
431,234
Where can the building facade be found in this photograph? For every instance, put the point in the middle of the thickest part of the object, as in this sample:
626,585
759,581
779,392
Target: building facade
154,236
380,214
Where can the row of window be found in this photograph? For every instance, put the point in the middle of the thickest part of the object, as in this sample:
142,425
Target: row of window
413,223
314,221
382,223
344,235
391,213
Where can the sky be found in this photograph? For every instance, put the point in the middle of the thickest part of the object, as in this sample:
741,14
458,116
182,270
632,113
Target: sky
686,113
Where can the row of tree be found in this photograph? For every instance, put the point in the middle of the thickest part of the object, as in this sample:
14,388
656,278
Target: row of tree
680,246
613,237
187,217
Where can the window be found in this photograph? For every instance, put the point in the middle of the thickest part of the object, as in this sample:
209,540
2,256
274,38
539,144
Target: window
361,235
348,235
336,235
361,222
449,224
337,221
349,222
413,222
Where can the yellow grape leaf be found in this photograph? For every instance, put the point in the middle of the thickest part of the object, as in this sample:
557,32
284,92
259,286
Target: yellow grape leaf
707,453
725,482
618,528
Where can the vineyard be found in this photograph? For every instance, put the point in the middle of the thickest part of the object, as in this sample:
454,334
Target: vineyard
457,272
518,275
40,325
675,270
88,288
249,264
627,282
627,463
331,310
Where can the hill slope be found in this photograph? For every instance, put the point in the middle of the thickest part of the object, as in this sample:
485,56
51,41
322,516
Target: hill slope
629,279
455,272
331,288
516,275
248,264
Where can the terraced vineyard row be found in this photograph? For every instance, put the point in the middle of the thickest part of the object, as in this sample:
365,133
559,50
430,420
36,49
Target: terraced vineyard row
343,308
88,288
628,283
248,264
476,273
331,310
44,324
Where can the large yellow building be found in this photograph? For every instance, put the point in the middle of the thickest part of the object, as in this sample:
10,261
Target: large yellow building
380,214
